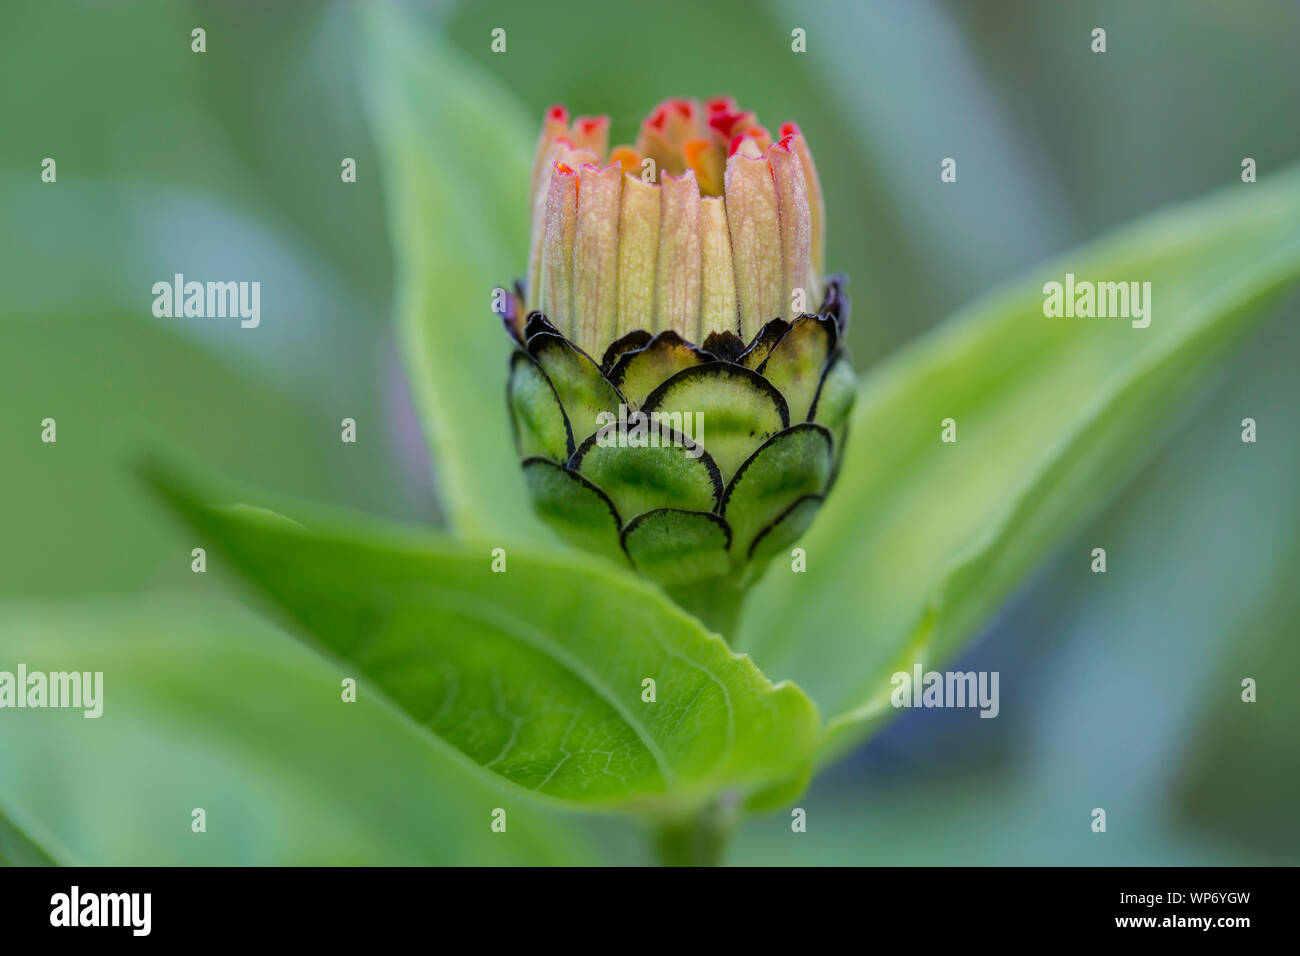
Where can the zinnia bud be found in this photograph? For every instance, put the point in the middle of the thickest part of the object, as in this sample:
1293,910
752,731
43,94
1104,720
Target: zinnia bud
680,392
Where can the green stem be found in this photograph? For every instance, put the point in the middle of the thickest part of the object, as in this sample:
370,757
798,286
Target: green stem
700,840
717,604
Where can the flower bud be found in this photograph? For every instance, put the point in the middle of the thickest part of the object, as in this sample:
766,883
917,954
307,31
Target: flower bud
676,403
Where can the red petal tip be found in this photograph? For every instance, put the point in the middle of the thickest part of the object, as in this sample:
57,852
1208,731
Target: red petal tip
726,122
755,133
723,120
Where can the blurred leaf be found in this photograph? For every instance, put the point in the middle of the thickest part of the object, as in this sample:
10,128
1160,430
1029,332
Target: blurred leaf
921,540
257,122
83,523
457,153
18,848
535,673
920,262
206,706
1234,743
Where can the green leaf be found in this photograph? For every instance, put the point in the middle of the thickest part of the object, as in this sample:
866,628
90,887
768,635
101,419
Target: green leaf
206,706
537,673
18,848
920,541
1217,787
84,526
457,151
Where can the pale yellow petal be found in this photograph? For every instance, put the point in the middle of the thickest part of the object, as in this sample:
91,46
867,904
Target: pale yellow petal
595,257
755,240
677,291
816,204
796,228
718,288
561,151
638,254
557,248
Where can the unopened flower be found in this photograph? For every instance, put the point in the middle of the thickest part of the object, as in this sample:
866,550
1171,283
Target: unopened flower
680,392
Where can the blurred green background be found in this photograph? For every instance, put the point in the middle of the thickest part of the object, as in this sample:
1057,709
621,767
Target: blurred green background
1119,691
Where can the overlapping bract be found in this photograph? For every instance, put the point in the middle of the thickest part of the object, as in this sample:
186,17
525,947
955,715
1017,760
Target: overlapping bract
694,293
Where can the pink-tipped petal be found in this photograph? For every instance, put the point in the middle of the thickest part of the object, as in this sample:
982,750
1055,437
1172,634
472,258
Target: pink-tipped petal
595,257
592,133
755,240
816,204
677,294
557,248
796,229
561,151
555,126
638,254
756,136
682,120
655,141
729,226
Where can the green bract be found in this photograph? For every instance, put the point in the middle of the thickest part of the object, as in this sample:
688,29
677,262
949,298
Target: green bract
688,462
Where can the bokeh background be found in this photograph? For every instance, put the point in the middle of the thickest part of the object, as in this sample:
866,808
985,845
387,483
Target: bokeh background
1120,691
